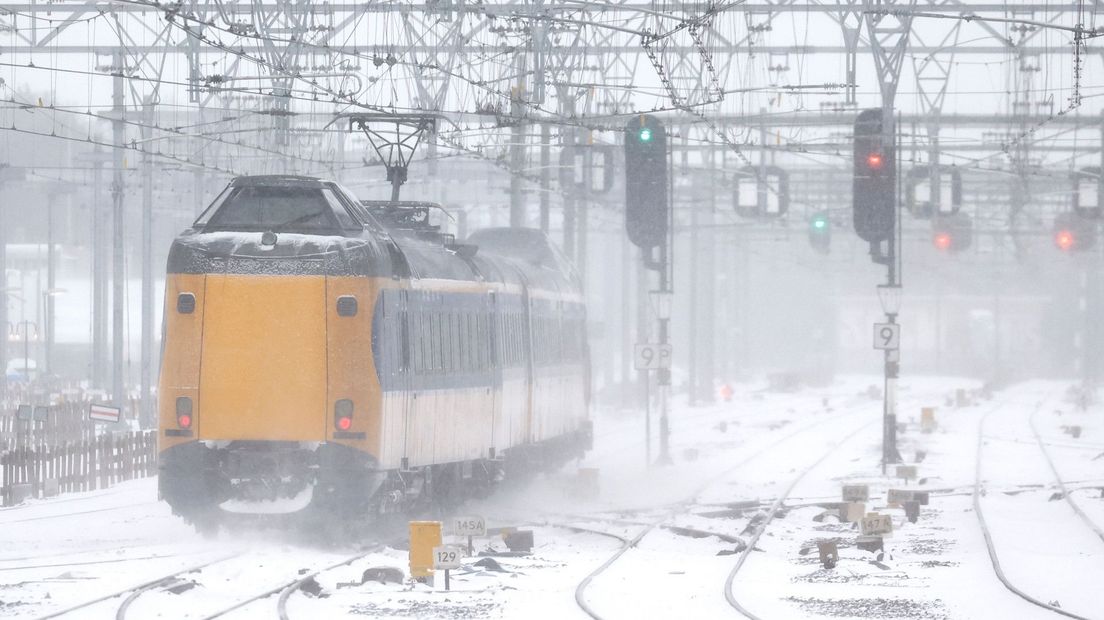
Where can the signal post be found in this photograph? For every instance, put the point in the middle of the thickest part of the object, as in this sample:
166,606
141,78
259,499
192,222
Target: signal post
875,218
649,227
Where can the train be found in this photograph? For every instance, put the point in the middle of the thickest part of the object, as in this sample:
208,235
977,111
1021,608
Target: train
325,355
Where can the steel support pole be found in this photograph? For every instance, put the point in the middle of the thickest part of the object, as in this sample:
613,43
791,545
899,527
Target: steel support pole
51,284
695,251
147,418
545,176
666,250
4,299
118,274
517,148
100,218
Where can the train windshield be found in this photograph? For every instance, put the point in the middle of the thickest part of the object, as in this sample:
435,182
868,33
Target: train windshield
277,208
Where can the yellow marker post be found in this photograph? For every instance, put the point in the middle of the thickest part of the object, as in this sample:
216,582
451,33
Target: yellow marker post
927,419
424,536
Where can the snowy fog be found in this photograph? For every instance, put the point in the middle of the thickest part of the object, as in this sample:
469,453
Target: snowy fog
568,309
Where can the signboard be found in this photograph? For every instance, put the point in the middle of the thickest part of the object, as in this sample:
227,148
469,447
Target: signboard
471,525
652,356
447,557
908,472
874,524
900,496
24,412
103,413
853,512
887,336
856,492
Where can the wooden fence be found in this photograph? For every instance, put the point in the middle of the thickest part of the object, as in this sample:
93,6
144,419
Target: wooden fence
87,465
65,422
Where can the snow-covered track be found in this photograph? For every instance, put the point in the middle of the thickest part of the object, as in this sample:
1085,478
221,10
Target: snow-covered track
691,501
285,594
987,534
1062,483
771,512
130,592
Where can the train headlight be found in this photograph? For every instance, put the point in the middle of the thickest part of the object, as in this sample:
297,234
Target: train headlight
184,412
343,414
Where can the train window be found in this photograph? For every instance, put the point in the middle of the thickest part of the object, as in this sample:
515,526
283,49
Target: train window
404,351
438,361
276,208
484,337
339,210
215,204
470,344
448,337
457,347
426,361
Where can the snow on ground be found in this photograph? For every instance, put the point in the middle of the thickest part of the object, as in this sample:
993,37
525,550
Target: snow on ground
68,550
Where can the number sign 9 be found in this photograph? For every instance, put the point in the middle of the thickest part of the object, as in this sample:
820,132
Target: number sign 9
652,356
887,336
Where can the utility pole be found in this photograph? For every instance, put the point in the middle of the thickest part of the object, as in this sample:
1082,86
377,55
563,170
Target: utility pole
100,219
3,293
517,147
147,417
118,217
545,177
51,290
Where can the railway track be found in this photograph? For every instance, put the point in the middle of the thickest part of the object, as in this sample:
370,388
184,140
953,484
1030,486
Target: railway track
285,588
685,506
129,593
1092,525
979,492
771,513
296,586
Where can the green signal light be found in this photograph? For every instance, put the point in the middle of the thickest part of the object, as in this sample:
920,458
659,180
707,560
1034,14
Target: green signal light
645,134
820,224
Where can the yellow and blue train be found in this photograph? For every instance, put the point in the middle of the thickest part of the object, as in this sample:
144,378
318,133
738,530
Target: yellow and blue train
324,354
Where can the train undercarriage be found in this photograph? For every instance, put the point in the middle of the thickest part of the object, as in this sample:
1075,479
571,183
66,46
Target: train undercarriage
215,484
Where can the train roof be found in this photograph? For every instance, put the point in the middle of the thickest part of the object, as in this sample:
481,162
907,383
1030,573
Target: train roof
277,179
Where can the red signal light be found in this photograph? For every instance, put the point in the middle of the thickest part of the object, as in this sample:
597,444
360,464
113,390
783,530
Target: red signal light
942,241
184,420
344,424
1065,239
875,161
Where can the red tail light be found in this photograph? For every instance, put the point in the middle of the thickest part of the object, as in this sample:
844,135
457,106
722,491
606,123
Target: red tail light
184,412
343,414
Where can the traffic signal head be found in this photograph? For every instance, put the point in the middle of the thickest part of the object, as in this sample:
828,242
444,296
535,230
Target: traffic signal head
1065,239
874,189
1073,233
646,208
820,232
952,232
